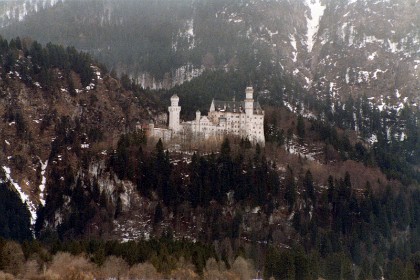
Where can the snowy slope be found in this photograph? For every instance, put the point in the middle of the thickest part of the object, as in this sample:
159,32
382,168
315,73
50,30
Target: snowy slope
17,10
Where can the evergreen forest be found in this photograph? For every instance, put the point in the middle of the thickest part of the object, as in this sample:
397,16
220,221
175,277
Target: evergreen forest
232,208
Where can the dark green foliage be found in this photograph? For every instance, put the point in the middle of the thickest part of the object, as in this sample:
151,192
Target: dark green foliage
14,215
338,266
210,177
290,193
128,145
158,217
82,208
280,264
40,64
308,184
118,208
300,127
395,155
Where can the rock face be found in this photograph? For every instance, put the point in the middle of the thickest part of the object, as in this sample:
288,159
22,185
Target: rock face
356,46
361,47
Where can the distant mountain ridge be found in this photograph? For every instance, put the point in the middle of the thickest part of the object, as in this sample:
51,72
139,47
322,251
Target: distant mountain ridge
342,47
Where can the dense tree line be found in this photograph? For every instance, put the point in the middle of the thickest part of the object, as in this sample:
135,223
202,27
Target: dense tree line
14,215
338,226
45,66
209,177
348,236
394,133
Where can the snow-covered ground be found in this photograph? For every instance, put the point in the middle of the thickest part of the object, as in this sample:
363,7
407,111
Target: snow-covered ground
313,19
43,182
303,150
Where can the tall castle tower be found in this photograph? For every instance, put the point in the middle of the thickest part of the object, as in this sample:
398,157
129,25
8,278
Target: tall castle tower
174,111
249,110
249,101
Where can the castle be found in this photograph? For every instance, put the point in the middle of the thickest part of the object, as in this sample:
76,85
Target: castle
242,118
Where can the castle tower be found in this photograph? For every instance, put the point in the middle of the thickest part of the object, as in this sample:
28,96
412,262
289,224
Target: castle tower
249,101
174,111
197,120
249,111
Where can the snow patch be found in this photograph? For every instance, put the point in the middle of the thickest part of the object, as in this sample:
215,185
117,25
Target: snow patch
332,85
271,33
374,76
185,74
363,76
372,56
312,21
43,181
347,76
397,93
293,43
393,46
308,82
372,139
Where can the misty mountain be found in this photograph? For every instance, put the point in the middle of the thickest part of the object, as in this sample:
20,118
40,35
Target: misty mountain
340,47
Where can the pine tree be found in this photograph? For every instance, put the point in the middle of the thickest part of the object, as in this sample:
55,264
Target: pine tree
309,186
290,194
300,128
118,208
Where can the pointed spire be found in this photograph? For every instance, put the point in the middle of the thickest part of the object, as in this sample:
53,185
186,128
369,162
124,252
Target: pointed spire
212,107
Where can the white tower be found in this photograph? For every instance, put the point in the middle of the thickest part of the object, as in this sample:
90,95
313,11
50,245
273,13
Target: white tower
249,112
174,111
249,101
197,120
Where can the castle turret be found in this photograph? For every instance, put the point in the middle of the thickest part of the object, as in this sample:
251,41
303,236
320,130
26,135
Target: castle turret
249,111
174,112
197,120
249,101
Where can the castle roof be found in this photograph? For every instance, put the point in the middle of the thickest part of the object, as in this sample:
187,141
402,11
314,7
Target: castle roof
235,106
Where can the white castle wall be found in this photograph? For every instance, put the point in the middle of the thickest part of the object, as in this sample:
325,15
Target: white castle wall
243,122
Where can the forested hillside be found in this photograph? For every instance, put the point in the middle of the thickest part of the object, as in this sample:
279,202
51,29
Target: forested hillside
334,192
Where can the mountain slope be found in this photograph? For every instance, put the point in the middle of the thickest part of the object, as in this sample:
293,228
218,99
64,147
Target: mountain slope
72,151
56,105
16,11
325,45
